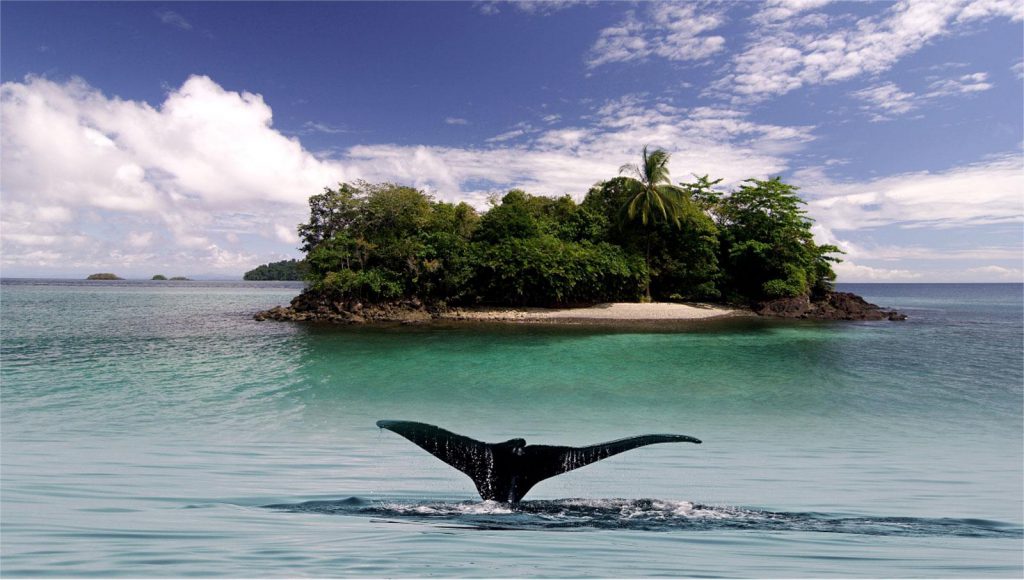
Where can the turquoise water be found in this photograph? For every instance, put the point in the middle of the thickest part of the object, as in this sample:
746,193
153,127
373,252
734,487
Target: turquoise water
147,427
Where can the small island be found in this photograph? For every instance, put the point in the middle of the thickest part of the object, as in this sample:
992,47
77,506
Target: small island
103,276
283,271
180,279
159,277
636,243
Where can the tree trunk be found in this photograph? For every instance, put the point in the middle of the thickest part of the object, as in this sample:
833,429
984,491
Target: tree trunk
647,259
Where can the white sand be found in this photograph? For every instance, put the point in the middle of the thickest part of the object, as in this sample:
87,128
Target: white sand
624,311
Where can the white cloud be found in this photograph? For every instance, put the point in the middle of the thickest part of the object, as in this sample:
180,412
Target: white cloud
316,127
540,7
989,192
456,121
784,11
671,30
1000,273
886,101
780,58
570,159
847,271
969,83
198,181
172,18
287,234
180,169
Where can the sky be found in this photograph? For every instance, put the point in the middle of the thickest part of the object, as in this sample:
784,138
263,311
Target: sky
185,138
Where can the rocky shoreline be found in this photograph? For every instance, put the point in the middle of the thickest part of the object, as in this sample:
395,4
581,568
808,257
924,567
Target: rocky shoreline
832,306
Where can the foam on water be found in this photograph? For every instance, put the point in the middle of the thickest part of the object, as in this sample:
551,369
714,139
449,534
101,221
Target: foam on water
647,515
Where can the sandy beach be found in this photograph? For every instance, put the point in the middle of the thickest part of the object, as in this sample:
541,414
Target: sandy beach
617,311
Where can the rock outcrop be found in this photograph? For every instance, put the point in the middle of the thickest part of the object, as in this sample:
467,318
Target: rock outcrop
831,306
314,307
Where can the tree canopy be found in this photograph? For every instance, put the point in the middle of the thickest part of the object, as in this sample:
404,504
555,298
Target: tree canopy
629,237
283,270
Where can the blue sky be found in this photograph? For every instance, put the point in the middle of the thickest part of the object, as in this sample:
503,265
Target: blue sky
184,138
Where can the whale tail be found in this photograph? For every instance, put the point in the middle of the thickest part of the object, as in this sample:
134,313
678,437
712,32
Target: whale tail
506,471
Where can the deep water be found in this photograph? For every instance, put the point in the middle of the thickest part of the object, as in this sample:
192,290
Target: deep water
155,429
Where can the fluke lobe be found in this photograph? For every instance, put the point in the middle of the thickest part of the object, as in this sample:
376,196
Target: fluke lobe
505,471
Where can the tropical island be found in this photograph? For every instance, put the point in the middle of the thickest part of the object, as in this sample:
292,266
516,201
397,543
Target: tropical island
103,276
391,252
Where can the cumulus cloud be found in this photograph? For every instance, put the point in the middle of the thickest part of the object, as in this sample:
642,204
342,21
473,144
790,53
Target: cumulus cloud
781,58
198,180
671,30
73,155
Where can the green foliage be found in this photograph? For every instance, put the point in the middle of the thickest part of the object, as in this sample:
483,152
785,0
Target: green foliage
371,284
159,277
330,212
767,246
388,242
630,237
283,270
651,195
104,276
547,271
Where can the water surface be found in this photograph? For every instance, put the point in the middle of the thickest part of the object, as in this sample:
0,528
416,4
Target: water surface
155,429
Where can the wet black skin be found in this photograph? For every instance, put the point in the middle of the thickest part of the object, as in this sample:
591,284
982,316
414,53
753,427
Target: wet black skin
504,472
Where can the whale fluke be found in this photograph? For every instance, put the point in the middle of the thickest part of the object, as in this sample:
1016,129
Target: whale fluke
506,471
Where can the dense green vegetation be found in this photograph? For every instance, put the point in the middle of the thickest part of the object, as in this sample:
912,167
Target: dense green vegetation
283,270
631,238
159,277
103,276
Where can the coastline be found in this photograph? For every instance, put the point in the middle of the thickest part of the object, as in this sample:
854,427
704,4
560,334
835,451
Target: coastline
606,312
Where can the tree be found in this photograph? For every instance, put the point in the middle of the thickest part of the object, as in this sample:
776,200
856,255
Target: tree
651,192
284,270
767,244
652,199
329,212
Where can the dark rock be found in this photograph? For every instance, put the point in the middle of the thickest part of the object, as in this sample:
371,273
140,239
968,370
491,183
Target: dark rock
312,306
830,306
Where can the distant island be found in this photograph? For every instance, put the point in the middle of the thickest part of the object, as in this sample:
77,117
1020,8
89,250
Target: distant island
104,276
162,277
285,270
392,252
180,279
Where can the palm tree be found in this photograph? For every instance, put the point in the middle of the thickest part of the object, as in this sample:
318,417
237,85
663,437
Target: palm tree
652,198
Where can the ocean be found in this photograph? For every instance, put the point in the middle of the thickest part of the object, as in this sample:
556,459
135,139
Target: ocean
154,429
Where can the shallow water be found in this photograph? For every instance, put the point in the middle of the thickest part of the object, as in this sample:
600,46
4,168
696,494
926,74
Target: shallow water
154,429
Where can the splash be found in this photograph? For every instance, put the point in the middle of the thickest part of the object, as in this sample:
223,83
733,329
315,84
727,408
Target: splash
647,515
